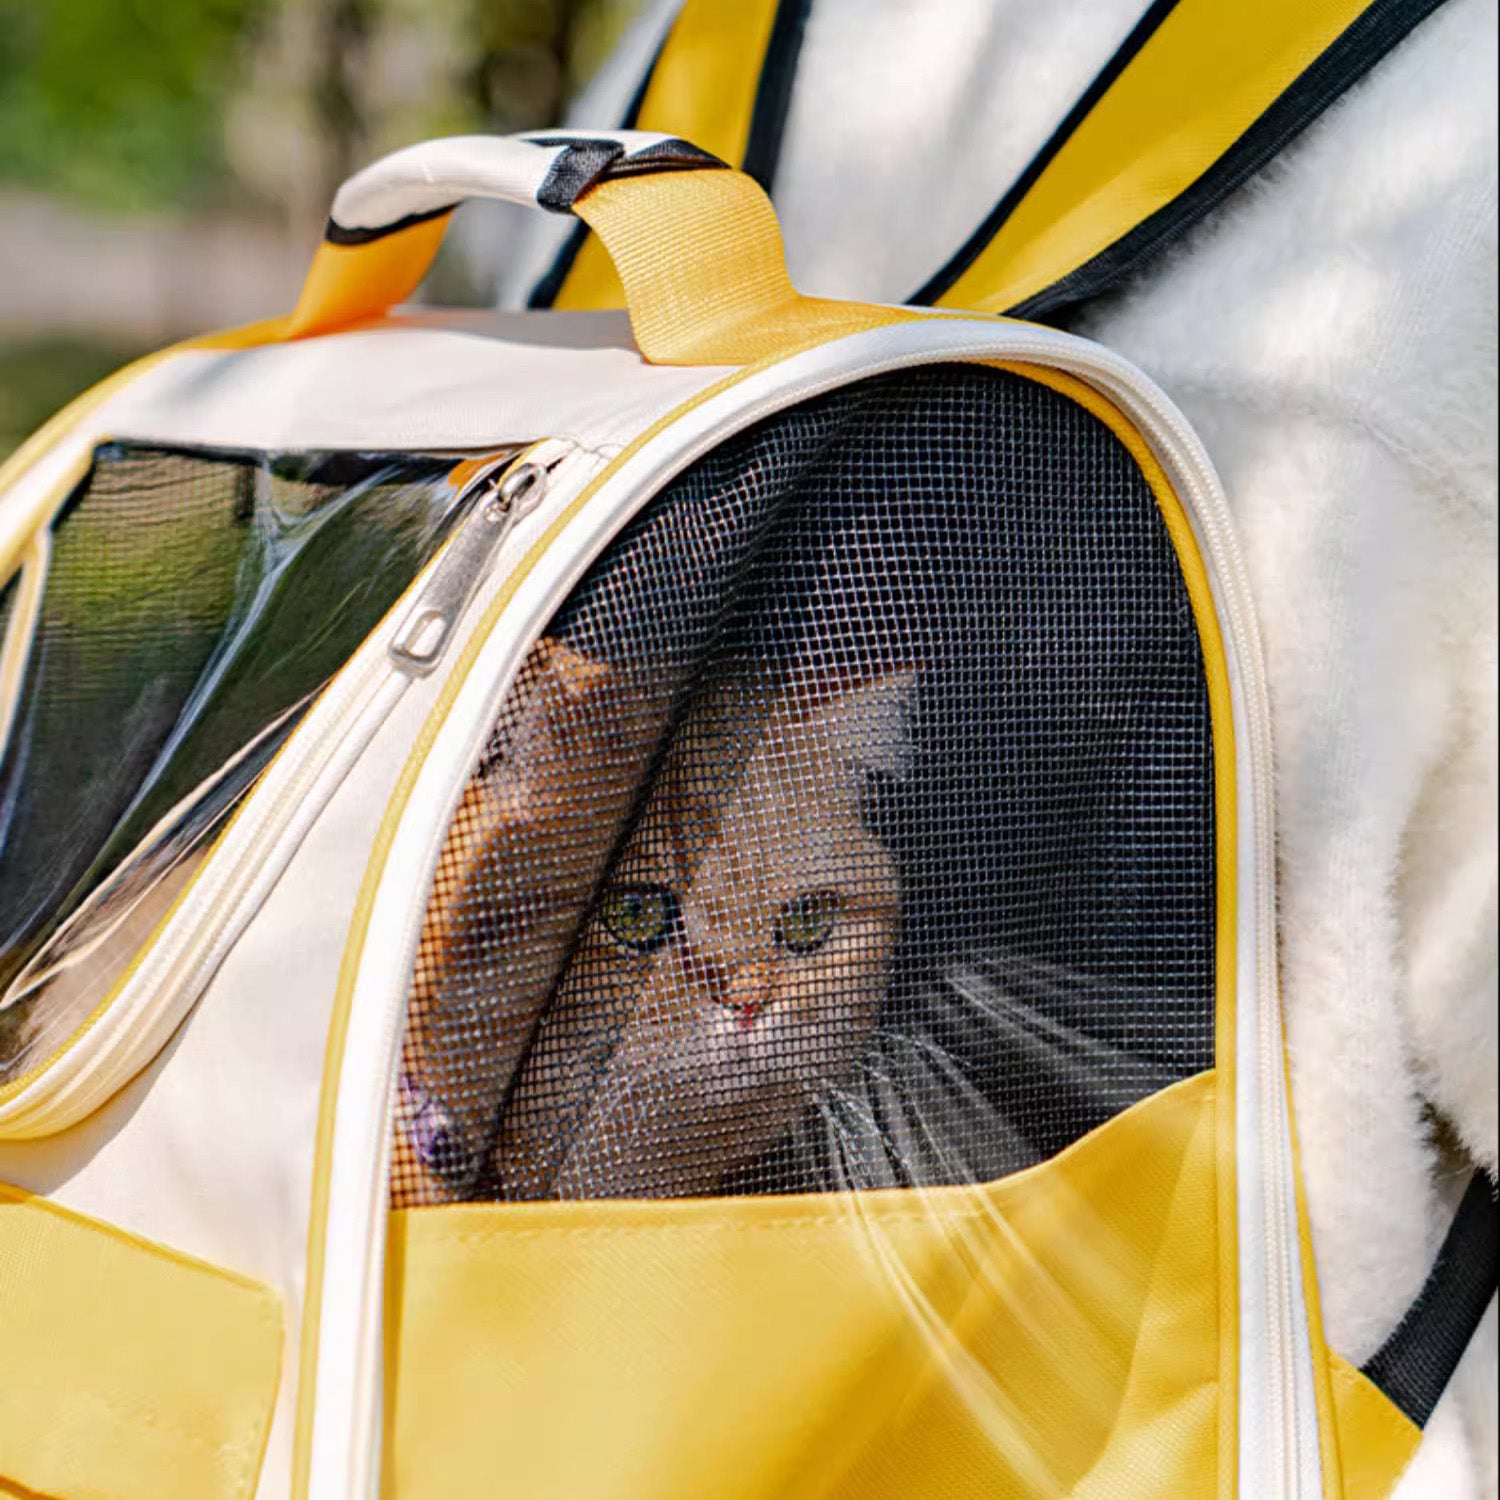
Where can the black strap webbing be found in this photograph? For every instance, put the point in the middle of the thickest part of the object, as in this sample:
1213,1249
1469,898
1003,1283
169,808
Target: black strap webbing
1414,1365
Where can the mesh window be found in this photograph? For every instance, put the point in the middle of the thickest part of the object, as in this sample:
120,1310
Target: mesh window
850,826
194,604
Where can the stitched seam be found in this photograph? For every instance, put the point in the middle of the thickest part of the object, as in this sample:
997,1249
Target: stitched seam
702,1231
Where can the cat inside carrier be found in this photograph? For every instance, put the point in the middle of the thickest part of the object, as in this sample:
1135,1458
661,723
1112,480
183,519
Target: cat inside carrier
801,857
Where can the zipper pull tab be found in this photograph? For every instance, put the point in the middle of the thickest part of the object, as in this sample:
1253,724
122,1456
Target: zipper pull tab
423,636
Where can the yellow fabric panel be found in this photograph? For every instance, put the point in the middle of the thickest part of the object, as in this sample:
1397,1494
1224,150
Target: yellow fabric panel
705,277
702,89
127,1371
349,283
1201,81
1328,1445
1046,1335
1376,1440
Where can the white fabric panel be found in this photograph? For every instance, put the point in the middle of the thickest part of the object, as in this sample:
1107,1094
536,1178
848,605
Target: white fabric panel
909,122
423,381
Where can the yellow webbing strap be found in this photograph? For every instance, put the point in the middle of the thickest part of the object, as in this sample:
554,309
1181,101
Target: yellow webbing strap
704,273
127,1370
1208,72
703,89
348,283
1375,1440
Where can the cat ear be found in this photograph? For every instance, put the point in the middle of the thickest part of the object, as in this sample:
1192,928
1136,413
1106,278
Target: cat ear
554,685
568,674
869,722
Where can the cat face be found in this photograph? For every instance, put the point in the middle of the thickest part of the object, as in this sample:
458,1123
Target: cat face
734,965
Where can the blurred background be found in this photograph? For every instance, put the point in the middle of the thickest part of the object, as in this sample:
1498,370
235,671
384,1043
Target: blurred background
167,165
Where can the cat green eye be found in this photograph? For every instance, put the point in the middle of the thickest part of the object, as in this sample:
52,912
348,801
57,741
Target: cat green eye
806,921
642,917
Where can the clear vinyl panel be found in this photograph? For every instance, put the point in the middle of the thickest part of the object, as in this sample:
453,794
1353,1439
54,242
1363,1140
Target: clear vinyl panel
194,604
850,827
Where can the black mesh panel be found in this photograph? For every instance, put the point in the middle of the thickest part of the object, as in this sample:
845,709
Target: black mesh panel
851,825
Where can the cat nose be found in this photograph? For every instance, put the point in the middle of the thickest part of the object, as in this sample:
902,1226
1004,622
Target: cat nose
749,990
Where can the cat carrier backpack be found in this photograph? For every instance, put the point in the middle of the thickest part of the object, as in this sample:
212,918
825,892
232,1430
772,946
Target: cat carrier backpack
640,908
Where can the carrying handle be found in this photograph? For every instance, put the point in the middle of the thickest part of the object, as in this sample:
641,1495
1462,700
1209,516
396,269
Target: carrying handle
696,243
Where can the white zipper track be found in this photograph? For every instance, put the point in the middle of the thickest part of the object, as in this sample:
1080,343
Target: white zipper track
1278,1439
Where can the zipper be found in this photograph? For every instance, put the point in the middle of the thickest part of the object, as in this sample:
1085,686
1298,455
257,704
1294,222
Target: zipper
127,1032
502,496
1279,1453
1277,1432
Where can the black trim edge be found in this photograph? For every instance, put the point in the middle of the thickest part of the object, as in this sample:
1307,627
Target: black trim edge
583,162
1331,74
544,292
1414,1365
1378,29
773,93
338,234
973,247
577,167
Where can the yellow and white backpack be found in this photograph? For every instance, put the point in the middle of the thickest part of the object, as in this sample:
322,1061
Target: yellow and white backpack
641,908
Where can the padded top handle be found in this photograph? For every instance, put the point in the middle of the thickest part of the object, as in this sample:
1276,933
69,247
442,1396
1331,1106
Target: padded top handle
545,170
695,242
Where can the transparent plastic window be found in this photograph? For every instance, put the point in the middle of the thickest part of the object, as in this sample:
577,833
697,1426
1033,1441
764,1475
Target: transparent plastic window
194,604
851,826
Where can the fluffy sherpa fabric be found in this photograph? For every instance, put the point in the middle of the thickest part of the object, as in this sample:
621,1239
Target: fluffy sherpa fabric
1331,332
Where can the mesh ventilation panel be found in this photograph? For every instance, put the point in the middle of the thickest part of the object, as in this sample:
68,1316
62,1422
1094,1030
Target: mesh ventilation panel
850,826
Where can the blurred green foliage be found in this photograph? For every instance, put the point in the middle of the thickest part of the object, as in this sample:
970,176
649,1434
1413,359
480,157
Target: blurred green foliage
203,109
118,102
121,104
39,376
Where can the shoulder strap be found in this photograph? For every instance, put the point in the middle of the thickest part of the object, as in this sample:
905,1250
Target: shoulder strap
725,74
1414,1365
1200,96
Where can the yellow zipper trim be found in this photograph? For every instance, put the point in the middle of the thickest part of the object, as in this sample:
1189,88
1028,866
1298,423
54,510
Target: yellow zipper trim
1226,915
